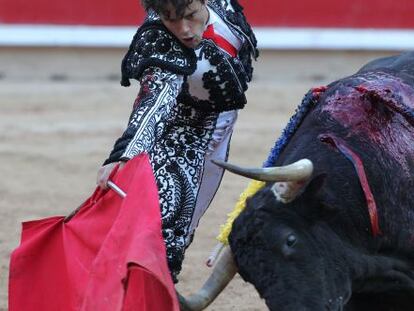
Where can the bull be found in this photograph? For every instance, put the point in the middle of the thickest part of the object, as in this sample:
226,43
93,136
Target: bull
335,230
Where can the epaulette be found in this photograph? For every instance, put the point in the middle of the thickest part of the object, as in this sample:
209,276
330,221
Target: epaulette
154,45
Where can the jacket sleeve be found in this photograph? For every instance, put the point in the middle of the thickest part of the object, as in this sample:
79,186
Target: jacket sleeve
151,110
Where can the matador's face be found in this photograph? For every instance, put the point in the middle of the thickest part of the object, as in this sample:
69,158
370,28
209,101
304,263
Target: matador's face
189,27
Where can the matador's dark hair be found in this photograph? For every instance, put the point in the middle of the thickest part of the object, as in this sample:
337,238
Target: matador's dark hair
160,6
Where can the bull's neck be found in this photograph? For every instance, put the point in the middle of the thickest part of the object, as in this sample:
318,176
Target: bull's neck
368,271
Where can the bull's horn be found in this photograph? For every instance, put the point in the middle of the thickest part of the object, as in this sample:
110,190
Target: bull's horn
223,272
298,171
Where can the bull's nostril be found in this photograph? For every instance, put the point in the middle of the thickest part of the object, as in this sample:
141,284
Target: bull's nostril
340,301
335,305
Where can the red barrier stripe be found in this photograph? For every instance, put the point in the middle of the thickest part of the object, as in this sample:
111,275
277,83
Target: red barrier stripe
295,13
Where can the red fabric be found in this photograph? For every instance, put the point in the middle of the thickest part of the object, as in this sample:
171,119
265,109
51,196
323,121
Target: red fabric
219,40
110,256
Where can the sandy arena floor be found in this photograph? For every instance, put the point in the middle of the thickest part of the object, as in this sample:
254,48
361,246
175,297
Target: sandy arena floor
62,109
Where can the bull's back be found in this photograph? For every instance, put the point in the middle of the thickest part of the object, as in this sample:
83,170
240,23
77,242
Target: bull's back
403,63
371,114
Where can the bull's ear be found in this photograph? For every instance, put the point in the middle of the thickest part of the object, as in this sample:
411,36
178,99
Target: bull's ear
315,185
318,201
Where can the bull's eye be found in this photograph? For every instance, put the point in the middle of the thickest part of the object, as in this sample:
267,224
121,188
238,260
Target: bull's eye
291,240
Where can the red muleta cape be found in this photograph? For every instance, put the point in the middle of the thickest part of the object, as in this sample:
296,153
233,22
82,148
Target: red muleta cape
110,256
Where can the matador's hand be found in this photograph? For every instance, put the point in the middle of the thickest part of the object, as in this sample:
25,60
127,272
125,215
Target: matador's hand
104,173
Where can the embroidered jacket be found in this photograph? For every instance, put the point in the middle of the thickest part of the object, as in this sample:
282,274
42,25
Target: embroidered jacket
225,82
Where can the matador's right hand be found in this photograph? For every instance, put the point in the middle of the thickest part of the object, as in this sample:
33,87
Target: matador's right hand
104,173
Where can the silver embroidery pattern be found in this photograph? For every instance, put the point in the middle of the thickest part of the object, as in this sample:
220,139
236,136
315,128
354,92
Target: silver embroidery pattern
176,137
150,118
178,163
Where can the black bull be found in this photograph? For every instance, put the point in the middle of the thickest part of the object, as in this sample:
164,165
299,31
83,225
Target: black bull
346,241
